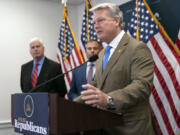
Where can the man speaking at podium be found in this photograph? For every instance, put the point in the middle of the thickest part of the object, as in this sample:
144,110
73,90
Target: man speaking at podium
40,70
124,74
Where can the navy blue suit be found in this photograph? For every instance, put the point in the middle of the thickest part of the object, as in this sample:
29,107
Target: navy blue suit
78,78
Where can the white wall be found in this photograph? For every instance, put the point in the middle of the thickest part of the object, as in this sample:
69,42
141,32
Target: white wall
21,20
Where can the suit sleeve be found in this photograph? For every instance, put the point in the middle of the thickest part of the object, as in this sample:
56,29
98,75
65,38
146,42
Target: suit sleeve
73,90
139,89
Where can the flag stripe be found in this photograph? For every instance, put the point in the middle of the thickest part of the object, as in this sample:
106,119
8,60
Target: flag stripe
88,31
75,41
163,94
67,74
162,29
73,59
161,126
83,52
65,66
80,60
161,78
163,113
168,61
164,72
70,54
63,69
178,41
175,56
156,123
166,89
167,99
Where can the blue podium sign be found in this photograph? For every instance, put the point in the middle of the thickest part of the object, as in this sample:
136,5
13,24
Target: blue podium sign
31,113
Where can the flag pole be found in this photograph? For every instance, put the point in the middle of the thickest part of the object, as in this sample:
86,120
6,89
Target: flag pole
64,16
64,2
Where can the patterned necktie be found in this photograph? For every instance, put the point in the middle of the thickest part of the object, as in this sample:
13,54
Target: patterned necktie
90,73
106,56
34,76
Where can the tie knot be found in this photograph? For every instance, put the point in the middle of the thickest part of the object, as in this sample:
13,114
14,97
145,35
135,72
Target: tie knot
108,47
37,64
91,64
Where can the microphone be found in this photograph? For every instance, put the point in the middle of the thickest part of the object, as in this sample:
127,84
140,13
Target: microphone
91,59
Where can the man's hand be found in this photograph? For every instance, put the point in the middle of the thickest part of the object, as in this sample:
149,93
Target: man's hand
94,96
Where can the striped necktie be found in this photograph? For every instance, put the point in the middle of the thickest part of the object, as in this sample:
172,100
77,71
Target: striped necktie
34,76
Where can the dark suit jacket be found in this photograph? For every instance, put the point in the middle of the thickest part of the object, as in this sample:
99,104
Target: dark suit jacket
49,70
128,78
78,78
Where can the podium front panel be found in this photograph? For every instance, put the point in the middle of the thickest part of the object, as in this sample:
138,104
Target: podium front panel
31,113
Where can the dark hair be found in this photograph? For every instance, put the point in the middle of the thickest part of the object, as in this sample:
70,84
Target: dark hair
93,40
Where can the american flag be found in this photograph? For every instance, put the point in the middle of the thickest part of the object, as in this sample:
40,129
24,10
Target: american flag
69,52
88,31
178,41
165,97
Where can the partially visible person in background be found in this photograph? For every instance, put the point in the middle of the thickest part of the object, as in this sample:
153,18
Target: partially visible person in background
85,73
40,70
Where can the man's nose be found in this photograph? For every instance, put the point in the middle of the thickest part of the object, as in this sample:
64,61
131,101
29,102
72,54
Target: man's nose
92,50
96,26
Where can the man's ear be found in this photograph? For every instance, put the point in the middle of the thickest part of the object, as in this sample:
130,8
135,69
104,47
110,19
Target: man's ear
117,19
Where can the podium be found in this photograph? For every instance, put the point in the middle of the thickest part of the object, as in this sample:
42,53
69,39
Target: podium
66,117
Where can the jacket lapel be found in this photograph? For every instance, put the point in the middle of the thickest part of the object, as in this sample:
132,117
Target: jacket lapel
43,73
83,73
100,62
114,58
29,74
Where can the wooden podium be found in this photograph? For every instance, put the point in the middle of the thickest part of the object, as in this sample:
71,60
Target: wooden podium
66,117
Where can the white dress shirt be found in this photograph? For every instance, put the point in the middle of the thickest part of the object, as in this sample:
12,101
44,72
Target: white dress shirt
114,43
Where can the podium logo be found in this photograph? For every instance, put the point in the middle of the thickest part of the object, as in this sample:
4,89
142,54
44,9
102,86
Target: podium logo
29,126
28,106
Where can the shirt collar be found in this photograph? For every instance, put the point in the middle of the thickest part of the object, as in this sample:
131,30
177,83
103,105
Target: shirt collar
89,63
40,62
114,43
